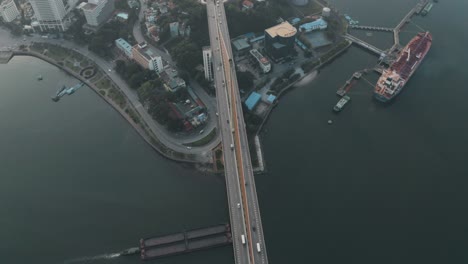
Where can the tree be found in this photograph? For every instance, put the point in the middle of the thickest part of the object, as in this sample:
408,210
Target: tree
245,80
187,54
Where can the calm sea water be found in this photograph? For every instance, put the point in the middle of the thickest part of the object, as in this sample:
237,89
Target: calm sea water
383,184
77,183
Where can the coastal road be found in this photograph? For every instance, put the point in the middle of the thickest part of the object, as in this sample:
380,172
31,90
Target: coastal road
240,180
169,139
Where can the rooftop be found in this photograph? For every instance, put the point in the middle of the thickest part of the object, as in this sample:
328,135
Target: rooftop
240,44
253,100
283,30
89,6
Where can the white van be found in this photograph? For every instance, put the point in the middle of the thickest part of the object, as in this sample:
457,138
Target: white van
243,239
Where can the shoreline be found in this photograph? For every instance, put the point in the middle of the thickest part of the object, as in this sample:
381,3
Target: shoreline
140,129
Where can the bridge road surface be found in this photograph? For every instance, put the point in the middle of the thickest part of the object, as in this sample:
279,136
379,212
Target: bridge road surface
238,167
230,168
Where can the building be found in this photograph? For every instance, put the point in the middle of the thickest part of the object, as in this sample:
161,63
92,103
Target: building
240,45
172,82
279,41
314,25
52,14
146,58
207,63
252,100
153,33
8,10
98,11
174,28
124,47
262,60
246,4
326,12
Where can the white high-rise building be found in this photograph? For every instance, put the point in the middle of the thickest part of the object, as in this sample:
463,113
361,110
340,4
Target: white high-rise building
51,14
8,10
207,63
98,11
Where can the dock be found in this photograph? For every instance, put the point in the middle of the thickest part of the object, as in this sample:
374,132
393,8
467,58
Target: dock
185,242
350,82
396,33
64,90
373,28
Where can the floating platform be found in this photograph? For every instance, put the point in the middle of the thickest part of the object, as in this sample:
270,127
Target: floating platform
185,242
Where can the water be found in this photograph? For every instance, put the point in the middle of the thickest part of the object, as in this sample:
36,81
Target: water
78,185
383,184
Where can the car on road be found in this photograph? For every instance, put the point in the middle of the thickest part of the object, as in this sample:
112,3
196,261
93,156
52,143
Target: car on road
109,70
217,114
189,147
201,131
238,205
232,146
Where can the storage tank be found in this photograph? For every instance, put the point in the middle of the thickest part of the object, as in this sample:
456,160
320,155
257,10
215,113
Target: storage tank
326,12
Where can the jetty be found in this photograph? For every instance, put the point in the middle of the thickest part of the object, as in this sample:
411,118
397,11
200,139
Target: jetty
350,83
386,55
374,28
64,90
185,242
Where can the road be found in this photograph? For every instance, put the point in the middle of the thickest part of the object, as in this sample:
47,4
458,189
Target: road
240,180
171,140
208,100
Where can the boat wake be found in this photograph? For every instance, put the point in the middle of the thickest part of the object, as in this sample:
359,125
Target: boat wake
90,259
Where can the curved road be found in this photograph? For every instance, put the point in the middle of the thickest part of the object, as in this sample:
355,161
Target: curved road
172,141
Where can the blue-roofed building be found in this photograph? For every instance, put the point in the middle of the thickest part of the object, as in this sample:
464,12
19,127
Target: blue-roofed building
295,20
249,35
271,99
257,39
314,25
124,47
253,100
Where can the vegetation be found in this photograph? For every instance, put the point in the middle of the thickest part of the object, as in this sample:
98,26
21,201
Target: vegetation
133,115
257,19
245,79
187,54
133,73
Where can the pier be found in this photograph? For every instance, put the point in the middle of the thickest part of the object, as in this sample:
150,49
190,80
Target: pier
396,33
374,28
185,242
350,82
364,44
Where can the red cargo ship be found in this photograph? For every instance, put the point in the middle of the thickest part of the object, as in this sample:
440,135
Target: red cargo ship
397,75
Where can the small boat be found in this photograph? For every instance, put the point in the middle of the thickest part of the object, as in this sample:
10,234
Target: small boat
39,77
341,103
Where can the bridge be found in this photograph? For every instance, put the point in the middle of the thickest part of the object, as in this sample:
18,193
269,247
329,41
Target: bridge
375,28
246,225
364,44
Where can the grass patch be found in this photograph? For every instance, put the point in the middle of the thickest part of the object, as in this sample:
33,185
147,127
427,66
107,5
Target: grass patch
96,77
117,97
104,83
72,67
203,141
133,115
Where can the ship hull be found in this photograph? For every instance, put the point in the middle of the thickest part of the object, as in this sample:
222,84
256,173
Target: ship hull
403,68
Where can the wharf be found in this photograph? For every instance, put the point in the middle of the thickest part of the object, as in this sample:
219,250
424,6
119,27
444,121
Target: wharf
350,82
185,242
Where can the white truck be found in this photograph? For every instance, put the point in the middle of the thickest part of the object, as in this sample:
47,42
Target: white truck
243,239
258,247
